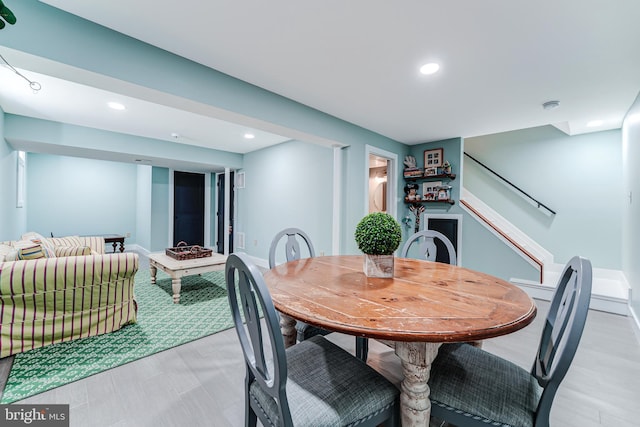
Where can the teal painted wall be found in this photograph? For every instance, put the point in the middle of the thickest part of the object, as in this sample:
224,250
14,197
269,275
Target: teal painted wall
580,177
355,184
631,205
481,250
287,185
143,206
159,209
13,220
74,196
452,149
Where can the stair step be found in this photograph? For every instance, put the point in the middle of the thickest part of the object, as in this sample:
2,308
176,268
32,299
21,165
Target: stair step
607,294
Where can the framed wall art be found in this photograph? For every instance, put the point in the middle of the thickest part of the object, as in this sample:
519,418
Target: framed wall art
433,158
430,189
429,171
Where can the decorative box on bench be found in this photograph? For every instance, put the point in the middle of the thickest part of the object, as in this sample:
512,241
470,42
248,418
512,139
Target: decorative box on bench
183,251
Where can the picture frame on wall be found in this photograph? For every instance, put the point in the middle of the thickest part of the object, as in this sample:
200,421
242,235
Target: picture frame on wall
433,158
430,189
430,171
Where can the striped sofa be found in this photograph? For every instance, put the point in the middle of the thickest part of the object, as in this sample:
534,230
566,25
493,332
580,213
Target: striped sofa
66,295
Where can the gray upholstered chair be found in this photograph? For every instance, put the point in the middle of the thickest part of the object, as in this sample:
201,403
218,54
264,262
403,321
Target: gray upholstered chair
471,387
428,248
293,251
313,383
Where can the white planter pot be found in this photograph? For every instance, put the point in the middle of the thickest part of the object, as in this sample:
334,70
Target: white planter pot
378,265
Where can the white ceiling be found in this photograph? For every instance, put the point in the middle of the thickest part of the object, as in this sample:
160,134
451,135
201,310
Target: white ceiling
358,60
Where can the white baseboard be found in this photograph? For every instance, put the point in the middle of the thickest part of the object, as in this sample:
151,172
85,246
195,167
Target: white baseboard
137,248
600,302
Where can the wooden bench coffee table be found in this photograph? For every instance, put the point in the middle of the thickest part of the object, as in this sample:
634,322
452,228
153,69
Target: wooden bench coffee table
177,269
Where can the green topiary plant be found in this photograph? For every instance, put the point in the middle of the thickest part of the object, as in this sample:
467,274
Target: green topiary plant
378,233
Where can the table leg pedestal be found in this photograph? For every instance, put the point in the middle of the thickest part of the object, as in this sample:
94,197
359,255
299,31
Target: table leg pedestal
176,284
288,329
154,271
416,358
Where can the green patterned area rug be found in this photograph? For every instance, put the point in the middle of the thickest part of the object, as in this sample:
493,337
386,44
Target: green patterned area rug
203,310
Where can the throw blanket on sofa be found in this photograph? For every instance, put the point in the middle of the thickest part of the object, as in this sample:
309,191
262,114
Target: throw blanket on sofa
50,300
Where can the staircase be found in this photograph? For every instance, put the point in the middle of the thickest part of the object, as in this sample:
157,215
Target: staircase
610,290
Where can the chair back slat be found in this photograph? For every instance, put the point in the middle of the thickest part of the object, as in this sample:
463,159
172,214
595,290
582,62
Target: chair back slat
253,328
428,248
248,298
292,248
562,331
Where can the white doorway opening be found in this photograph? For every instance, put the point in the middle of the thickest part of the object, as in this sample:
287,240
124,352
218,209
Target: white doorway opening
381,181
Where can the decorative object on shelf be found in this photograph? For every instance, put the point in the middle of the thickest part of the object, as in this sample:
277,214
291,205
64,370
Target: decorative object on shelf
449,176
417,211
444,193
378,235
433,158
431,171
430,189
410,162
6,15
413,173
411,192
446,167
411,169
435,178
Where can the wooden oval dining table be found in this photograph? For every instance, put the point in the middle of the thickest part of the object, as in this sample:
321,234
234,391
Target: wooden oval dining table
423,306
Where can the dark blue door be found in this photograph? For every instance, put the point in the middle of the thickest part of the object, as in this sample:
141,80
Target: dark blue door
188,208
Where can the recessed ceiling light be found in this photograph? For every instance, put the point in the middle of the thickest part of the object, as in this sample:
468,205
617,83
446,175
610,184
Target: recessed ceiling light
249,135
429,68
594,123
551,105
115,105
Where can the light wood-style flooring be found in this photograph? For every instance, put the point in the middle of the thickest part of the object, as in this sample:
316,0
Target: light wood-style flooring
201,383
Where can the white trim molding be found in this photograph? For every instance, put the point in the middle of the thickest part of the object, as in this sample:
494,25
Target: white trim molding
392,178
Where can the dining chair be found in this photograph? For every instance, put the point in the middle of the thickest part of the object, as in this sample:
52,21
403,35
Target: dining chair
310,384
293,251
471,387
428,248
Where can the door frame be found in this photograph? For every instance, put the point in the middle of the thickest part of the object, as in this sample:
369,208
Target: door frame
207,206
392,178
227,217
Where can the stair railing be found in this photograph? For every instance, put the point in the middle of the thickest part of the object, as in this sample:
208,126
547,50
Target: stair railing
506,236
524,193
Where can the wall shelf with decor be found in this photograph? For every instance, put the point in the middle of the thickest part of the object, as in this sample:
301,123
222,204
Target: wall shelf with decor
449,176
449,201
428,184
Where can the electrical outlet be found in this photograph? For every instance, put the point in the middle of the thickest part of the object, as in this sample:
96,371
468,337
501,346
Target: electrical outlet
255,243
321,253
128,235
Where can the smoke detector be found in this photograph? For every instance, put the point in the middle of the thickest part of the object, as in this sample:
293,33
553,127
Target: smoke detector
551,105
